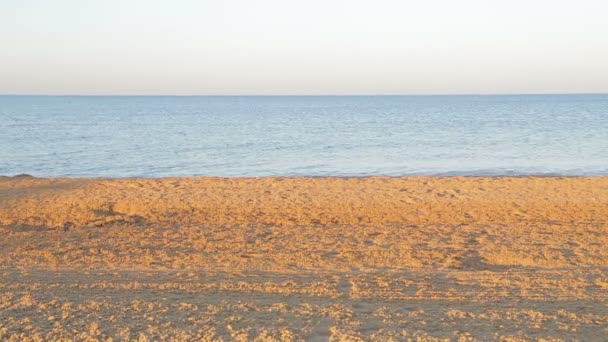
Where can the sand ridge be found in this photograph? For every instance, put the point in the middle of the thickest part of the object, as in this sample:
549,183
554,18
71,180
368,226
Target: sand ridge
303,201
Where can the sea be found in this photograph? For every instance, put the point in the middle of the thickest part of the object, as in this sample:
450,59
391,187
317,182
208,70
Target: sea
313,136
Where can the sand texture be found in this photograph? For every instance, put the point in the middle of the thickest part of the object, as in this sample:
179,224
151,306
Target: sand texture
290,259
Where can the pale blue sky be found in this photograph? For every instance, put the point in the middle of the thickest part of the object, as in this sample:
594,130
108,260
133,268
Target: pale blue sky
185,47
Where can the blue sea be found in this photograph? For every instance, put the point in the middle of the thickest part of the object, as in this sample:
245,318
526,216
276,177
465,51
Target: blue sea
124,136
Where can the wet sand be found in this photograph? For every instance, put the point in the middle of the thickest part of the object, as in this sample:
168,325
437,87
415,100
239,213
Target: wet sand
454,258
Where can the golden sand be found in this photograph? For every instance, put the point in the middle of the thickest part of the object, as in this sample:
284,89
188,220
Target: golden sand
471,259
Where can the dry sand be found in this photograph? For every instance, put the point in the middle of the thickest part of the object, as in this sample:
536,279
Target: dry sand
430,259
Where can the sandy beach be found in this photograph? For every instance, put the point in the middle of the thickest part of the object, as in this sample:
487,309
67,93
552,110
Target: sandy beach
289,259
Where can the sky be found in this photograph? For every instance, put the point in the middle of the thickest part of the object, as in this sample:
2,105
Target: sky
312,47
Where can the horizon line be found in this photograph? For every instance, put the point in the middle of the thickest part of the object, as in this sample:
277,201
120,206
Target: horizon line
305,95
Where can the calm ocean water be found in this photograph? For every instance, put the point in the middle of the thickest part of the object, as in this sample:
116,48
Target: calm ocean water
309,136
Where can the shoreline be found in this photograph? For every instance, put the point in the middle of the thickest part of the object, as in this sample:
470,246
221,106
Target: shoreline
422,175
